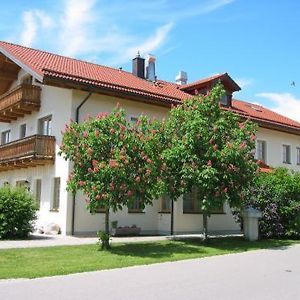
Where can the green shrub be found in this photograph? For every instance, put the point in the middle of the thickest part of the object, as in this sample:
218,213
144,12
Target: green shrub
277,195
17,213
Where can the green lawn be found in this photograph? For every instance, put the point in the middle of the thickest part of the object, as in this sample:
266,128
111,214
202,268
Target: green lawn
49,261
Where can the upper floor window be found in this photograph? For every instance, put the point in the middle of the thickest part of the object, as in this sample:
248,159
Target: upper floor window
226,100
27,79
5,137
298,155
286,154
261,150
45,125
22,131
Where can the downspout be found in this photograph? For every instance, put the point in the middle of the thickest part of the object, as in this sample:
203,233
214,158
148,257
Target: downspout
74,194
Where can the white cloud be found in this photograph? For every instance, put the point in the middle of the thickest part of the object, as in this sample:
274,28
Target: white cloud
283,103
95,30
32,20
243,82
30,28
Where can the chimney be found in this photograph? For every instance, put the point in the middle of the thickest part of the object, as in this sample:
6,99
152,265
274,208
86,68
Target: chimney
150,68
181,78
138,66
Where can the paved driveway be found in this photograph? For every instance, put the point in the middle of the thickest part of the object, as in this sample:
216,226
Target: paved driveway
263,274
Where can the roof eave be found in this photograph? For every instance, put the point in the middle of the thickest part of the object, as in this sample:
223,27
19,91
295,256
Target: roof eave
34,74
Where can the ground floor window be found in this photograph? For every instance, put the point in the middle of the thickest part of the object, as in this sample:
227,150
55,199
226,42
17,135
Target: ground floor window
135,206
56,194
38,192
166,204
191,204
23,184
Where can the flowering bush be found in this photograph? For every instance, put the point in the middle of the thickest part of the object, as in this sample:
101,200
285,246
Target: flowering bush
277,195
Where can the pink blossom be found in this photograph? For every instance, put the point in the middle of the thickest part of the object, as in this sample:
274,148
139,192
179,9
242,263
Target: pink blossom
149,161
81,183
90,170
129,193
113,163
112,131
209,163
96,133
94,162
215,147
138,179
85,134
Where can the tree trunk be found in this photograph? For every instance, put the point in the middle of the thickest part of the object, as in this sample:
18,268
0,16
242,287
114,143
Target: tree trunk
205,225
172,217
105,240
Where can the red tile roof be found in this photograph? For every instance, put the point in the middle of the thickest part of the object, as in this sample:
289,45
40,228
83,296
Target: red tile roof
260,113
224,77
48,65
51,65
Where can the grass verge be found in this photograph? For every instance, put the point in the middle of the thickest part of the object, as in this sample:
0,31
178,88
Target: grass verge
50,261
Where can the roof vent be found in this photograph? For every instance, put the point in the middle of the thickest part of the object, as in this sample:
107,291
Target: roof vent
181,78
150,67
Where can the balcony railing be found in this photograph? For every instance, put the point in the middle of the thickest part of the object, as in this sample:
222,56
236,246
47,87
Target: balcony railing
27,152
24,99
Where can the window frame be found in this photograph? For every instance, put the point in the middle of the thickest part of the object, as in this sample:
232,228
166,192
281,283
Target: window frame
5,137
263,144
165,207
298,155
41,128
23,134
132,208
55,203
286,155
38,193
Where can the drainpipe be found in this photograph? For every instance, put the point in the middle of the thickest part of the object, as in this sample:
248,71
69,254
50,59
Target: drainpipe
74,194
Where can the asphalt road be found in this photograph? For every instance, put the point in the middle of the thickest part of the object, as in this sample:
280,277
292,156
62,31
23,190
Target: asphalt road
264,274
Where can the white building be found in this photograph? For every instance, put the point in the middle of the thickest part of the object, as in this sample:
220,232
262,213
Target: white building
40,93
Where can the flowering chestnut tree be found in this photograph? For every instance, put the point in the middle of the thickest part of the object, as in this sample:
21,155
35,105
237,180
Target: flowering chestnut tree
113,160
208,148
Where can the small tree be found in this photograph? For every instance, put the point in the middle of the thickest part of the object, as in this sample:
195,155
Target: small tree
110,162
209,148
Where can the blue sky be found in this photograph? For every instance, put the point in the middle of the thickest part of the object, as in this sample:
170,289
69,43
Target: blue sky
256,42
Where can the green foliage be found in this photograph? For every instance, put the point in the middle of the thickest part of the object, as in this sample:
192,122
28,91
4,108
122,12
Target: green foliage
277,195
17,213
103,240
209,148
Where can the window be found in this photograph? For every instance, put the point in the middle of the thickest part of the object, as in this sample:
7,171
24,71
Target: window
166,204
286,154
298,155
100,209
261,152
6,183
226,100
23,184
38,192
22,131
191,204
27,79
136,206
133,119
45,125
56,194
5,137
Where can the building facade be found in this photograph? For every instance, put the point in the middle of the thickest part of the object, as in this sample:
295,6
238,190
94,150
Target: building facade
40,92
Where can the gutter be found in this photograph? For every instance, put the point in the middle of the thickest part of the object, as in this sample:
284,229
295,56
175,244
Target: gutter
74,194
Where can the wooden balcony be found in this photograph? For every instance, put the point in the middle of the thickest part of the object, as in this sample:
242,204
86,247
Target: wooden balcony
24,99
30,151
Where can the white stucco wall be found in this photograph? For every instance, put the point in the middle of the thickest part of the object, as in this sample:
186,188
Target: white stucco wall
56,102
274,147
